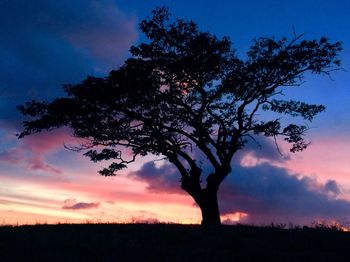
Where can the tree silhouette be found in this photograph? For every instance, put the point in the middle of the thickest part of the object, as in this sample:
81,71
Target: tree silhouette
187,91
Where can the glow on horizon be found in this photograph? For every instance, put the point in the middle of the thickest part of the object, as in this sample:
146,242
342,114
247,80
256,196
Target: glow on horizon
35,203
41,204
123,199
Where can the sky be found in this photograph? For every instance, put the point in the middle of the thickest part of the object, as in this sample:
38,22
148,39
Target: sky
45,44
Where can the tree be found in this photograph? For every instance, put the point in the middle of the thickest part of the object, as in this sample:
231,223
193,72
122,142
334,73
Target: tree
187,90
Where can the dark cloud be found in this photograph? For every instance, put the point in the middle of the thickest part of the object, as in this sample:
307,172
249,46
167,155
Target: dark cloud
72,204
271,194
332,187
264,191
166,178
160,179
47,43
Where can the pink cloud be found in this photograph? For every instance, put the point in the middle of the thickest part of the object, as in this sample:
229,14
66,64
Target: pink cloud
46,142
38,163
11,156
31,151
18,155
41,145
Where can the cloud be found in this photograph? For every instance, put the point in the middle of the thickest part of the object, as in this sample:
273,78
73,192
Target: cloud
10,156
33,151
71,203
47,43
18,156
271,194
47,142
332,187
42,151
37,163
266,192
165,178
264,149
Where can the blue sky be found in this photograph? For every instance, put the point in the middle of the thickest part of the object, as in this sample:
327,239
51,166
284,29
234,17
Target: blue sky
46,43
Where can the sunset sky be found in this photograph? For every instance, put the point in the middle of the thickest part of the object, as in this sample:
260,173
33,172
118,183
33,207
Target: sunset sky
46,43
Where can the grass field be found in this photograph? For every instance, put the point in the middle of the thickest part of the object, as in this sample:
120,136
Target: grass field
168,242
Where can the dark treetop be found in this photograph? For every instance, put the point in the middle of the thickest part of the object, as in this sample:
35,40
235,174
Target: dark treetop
187,90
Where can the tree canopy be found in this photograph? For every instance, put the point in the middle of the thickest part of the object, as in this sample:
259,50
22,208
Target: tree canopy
187,89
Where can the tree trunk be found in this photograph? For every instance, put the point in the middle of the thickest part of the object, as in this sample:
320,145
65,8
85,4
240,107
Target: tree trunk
206,198
208,204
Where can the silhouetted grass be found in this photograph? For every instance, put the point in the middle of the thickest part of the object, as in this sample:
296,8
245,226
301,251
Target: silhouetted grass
168,242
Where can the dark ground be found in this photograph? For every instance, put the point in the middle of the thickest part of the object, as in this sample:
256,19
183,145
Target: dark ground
162,242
